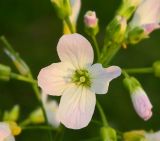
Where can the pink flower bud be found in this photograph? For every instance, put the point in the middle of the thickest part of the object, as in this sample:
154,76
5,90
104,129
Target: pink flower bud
90,19
141,103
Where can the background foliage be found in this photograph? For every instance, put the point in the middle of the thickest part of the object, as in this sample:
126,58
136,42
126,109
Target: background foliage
33,29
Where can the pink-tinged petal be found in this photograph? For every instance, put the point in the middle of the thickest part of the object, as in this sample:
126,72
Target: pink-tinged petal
5,132
148,12
148,28
153,136
55,78
113,72
142,104
74,48
100,77
76,107
90,19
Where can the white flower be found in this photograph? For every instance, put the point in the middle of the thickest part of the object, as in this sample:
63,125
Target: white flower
5,132
76,80
147,16
51,108
141,103
153,136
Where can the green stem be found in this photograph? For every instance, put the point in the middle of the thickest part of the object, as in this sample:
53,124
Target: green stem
111,52
93,139
125,73
103,117
139,70
14,55
96,46
70,25
22,78
25,122
38,128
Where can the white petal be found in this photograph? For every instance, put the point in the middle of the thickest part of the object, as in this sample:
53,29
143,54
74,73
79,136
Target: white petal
55,78
51,108
5,132
76,107
102,76
74,48
153,136
76,5
148,12
10,138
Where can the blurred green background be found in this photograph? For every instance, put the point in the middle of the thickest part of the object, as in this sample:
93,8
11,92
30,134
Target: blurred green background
33,29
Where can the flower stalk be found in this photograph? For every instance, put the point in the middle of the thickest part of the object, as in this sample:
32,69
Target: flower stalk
24,70
102,114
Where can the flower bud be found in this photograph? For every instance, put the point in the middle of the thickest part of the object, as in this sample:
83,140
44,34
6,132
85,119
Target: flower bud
115,31
90,19
137,135
156,68
14,56
91,23
108,134
12,115
62,7
36,117
128,7
140,100
5,72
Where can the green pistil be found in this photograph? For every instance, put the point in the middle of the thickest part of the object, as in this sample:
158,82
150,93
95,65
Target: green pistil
81,77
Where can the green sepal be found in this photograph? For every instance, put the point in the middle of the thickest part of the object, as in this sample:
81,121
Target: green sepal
156,68
131,84
5,72
108,134
135,35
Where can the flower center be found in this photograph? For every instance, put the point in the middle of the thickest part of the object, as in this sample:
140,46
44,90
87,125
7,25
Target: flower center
81,77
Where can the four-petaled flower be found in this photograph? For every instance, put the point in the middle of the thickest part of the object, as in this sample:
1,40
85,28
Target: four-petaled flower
77,80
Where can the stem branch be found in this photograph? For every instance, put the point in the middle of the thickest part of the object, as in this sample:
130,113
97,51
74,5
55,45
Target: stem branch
96,47
103,117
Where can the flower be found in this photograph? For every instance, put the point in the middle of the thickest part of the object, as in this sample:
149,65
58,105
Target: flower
147,16
153,136
51,108
141,103
5,132
76,80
